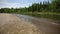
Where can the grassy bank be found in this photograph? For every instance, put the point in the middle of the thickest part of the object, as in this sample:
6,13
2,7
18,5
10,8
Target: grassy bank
50,15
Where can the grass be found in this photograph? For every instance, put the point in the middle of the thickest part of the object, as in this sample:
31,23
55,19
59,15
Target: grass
50,15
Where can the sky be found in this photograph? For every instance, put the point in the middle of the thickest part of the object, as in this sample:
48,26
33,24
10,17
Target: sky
18,3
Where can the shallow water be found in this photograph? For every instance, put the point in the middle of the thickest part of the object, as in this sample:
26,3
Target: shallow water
43,24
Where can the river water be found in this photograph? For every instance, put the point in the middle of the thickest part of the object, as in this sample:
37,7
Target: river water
43,24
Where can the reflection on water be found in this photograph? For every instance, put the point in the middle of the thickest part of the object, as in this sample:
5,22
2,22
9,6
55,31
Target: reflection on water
25,18
42,24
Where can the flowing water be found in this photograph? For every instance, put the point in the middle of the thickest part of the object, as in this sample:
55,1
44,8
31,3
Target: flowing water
43,24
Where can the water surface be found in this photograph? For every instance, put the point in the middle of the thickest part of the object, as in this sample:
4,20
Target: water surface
43,24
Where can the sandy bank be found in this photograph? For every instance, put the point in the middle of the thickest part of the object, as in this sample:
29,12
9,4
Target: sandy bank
10,24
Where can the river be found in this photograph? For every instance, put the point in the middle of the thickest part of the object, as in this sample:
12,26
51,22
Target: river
43,24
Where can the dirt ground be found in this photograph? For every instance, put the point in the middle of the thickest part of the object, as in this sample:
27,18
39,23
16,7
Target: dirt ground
10,24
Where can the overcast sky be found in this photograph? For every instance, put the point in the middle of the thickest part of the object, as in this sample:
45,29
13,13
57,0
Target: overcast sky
17,3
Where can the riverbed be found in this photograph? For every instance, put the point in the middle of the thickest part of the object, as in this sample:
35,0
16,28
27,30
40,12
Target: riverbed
11,23
43,24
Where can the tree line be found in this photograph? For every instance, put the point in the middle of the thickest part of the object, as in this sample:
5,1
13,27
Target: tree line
44,6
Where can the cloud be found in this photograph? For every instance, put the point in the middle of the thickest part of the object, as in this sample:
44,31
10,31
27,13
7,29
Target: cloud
12,5
2,1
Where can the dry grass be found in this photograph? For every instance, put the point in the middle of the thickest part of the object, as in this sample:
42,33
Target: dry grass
10,24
